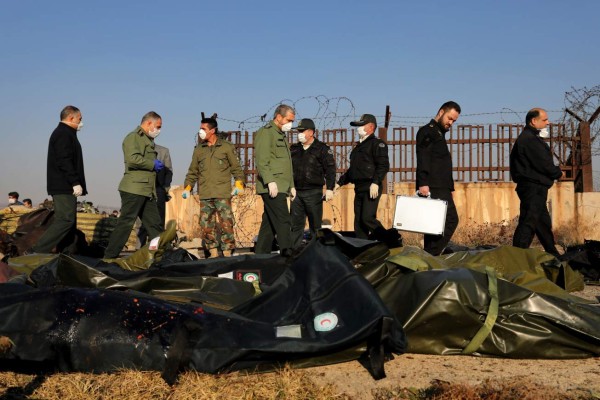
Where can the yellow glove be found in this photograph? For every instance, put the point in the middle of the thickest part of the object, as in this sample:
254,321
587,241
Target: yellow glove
187,192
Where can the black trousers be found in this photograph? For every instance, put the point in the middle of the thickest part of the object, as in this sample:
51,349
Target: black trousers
63,226
534,218
275,221
132,207
365,213
308,203
435,244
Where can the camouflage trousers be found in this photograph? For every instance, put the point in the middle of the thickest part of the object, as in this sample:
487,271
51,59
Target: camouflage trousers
216,223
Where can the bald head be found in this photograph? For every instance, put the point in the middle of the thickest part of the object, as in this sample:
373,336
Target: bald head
537,118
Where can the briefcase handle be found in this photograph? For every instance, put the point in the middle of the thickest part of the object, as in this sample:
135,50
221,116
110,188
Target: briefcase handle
418,194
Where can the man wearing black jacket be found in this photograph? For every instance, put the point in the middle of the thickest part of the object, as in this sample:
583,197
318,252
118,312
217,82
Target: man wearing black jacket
534,172
313,165
65,180
369,162
434,171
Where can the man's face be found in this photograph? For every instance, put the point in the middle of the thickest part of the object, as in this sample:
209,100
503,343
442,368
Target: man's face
73,120
370,128
280,120
541,121
447,118
210,132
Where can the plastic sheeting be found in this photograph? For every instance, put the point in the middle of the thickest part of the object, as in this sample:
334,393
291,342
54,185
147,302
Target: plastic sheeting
89,315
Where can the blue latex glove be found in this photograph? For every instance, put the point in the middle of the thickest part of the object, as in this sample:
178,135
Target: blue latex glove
158,165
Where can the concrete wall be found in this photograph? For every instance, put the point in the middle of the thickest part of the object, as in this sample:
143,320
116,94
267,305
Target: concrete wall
575,214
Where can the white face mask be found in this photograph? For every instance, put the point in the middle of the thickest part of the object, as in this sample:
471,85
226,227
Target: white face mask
302,138
544,133
202,134
12,201
80,125
154,134
361,132
286,127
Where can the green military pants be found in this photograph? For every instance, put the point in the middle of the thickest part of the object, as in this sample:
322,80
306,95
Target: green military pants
132,207
64,223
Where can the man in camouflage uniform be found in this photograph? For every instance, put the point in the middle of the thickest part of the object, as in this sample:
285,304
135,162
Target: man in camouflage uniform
214,162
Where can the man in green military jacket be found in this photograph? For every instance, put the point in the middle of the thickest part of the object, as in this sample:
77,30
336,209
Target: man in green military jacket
213,163
275,181
137,187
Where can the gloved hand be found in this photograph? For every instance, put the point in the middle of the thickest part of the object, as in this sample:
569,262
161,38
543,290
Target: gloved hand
237,188
77,190
158,165
187,192
292,193
336,188
272,189
328,195
374,190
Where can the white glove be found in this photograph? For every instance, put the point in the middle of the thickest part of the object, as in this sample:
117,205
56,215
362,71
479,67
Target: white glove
77,190
328,195
272,189
293,193
374,190
336,188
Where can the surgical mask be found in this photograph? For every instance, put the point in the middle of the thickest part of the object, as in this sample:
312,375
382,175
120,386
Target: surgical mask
286,127
12,201
302,138
361,132
544,133
80,125
154,134
202,134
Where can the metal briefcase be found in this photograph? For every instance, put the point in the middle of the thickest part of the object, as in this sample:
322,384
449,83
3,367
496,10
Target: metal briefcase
420,214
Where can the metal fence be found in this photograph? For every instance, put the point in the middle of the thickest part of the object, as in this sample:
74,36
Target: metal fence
480,153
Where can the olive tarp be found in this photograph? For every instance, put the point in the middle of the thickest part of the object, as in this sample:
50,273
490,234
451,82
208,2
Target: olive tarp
84,314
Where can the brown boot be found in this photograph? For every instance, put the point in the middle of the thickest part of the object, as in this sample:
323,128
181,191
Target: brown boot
214,252
226,253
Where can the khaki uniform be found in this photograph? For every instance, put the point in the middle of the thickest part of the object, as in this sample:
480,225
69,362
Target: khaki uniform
212,168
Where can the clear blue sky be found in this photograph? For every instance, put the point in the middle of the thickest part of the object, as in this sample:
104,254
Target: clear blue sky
116,60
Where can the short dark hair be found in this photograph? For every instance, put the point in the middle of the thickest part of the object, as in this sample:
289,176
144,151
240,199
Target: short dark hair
450,105
150,115
13,194
210,121
68,111
283,110
531,114
26,200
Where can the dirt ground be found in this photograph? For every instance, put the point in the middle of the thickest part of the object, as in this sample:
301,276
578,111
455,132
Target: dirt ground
418,370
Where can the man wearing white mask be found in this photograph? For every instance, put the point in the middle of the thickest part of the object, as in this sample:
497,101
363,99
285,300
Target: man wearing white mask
138,185
313,166
532,169
275,181
369,163
434,171
65,180
214,162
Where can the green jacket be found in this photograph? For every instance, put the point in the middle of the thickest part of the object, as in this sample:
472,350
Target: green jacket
273,159
139,154
212,167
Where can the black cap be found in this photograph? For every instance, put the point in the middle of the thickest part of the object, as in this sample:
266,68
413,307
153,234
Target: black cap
304,124
364,119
